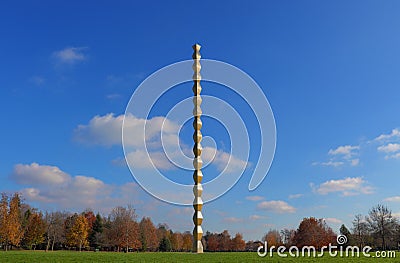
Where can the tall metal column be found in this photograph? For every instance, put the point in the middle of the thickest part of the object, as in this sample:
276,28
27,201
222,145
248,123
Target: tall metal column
197,162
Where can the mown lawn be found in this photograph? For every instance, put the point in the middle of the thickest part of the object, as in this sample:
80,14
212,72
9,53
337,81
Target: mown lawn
69,256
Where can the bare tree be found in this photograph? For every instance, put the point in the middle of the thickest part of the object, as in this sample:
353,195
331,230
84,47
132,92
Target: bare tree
360,230
54,228
382,224
288,236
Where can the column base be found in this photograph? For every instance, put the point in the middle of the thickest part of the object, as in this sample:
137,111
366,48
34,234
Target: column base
198,247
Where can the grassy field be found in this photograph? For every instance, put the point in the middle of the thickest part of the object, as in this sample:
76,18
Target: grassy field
66,256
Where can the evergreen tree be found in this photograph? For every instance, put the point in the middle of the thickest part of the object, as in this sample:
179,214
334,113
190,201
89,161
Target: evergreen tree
165,245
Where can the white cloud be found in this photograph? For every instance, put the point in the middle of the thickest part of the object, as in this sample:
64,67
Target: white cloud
332,220
397,215
227,162
181,211
332,163
70,55
340,156
254,198
144,160
232,220
355,162
107,130
393,156
35,174
389,148
295,196
347,151
394,134
49,185
392,199
280,207
256,217
348,186
392,150
102,130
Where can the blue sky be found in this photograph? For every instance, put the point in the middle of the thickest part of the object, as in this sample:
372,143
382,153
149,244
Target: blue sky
330,71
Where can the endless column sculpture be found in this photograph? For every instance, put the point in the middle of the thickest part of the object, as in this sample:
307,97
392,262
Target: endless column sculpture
197,162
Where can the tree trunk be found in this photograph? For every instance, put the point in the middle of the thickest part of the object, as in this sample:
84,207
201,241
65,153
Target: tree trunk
48,244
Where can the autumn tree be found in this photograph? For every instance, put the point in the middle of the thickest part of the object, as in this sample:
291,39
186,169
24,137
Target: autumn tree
78,231
15,233
187,241
212,241
124,229
238,244
176,241
35,229
148,235
314,232
11,231
382,224
273,238
90,217
224,240
4,220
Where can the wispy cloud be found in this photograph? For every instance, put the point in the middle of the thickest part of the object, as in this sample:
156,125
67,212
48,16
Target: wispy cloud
70,55
392,199
331,163
255,198
397,215
276,206
355,162
256,217
332,220
346,151
295,196
394,134
340,156
347,187
393,156
232,220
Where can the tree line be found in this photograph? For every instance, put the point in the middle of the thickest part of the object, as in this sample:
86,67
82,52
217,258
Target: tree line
22,226
379,229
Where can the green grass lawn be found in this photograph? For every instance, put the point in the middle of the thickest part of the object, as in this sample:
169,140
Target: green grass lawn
67,256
